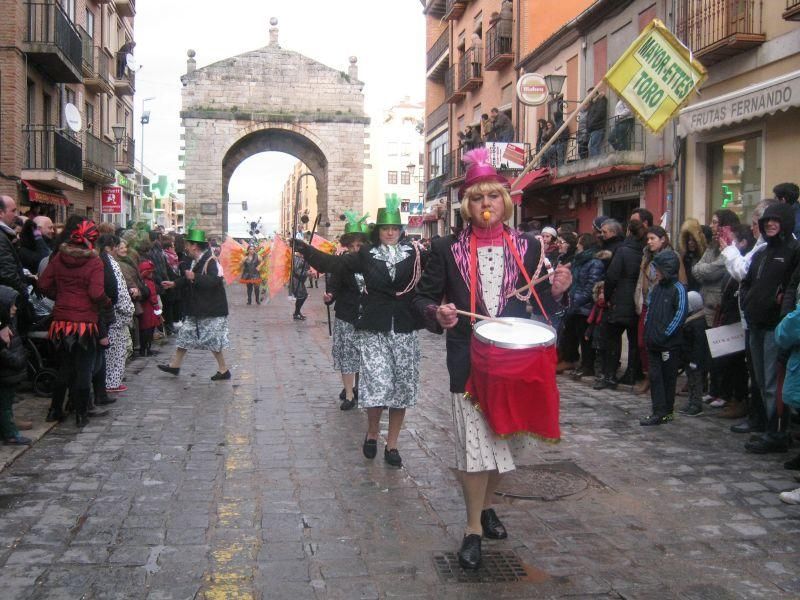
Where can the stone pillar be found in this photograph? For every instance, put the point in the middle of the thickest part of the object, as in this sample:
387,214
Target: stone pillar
191,63
353,70
273,32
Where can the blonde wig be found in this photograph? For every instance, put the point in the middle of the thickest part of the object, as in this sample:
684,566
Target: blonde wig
486,187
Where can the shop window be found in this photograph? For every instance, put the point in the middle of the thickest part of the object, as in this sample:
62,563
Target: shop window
735,180
392,177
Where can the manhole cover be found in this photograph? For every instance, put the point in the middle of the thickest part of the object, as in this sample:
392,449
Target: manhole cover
496,567
544,482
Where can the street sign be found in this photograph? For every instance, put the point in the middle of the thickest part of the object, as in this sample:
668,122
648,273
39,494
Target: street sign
656,75
111,200
532,89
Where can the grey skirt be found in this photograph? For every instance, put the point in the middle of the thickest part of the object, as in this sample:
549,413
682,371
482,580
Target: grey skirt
205,333
389,375
346,356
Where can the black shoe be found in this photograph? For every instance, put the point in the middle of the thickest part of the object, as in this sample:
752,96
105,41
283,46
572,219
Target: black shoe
370,448
98,413
81,421
392,457
347,405
492,526
104,401
766,446
168,369
747,427
469,555
221,376
793,464
299,317
343,394
655,420
54,415
691,411
605,383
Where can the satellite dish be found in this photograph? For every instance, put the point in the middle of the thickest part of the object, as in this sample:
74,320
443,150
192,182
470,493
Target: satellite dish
130,62
73,117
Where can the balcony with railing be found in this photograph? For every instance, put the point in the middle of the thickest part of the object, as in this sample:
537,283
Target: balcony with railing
52,157
96,67
438,117
126,8
792,12
454,10
621,148
470,70
499,49
98,159
718,29
435,8
125,84
52,42
438,55
455,168
451,92
125,154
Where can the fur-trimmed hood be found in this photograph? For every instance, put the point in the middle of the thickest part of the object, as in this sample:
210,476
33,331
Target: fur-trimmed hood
691,228
75,256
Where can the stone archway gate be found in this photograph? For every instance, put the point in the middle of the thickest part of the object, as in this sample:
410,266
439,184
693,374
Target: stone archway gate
278,100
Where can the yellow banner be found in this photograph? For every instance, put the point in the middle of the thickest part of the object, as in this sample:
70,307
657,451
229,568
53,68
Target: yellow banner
655,76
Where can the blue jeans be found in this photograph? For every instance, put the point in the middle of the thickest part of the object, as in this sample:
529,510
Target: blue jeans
764,352
596,138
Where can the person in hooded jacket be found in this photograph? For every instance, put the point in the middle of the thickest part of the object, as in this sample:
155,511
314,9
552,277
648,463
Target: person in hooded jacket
768,294
13,366
662,334
691,247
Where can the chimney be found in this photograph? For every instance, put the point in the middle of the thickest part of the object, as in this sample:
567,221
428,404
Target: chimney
191,63
353,70
273,32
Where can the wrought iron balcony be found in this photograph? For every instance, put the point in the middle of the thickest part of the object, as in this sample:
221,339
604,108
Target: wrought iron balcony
792,12
437,56
455,168
52,42
125,80
718,29
435,8
125,154
499,49
52,157
96,67
455,8
451,93
437,117
98,159
470,70
126,8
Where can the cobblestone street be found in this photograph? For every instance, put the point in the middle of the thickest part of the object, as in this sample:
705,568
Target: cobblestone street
256,488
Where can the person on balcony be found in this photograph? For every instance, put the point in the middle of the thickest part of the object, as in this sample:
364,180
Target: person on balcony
596,123
122,57
502,127
621,134
505,27
477,56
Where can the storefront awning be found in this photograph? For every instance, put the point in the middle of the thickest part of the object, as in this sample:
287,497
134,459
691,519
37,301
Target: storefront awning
42,195
535,176
761,99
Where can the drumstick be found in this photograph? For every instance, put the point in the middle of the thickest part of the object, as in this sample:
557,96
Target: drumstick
482,317
528,285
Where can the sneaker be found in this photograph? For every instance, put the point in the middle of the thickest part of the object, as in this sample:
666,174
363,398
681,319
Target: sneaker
655,420
717,403
691,411
121,388
707,398
392,457
298,317
792,497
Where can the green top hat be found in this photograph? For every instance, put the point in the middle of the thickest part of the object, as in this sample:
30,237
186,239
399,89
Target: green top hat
391,214
355,224
195,235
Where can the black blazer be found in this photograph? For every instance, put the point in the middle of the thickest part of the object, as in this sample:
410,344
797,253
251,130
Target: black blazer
442,283
383,310
346,301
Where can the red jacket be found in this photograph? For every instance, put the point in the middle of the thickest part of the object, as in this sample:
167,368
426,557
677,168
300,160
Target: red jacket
74,278
148,319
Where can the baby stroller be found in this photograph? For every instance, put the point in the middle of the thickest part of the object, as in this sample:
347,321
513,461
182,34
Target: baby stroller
42,365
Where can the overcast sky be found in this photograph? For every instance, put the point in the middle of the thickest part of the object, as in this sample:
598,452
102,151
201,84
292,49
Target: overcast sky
387,36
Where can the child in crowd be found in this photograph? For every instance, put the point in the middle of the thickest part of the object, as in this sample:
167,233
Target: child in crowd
149,319
13,363
695,354
662,336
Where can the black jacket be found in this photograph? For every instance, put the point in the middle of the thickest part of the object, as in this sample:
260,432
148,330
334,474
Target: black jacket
597,114
383,309
342,285
767,290
442,281
729,305
13,360
694,342
10,263
32,256
205,296
621,279
668,306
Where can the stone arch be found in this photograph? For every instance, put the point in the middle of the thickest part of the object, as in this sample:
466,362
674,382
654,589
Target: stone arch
275,137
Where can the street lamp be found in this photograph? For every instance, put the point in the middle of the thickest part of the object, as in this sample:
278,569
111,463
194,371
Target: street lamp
144,121
119,133
554,83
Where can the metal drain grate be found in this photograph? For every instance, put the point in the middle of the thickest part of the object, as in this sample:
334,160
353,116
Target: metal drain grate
496,567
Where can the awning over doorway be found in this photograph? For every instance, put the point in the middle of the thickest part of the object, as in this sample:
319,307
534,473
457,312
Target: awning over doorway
535,176
758,100
43,195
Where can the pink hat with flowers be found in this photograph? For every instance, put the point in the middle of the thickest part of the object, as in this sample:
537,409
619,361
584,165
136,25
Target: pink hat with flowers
479,169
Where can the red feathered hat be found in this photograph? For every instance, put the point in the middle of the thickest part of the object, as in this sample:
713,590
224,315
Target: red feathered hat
479,169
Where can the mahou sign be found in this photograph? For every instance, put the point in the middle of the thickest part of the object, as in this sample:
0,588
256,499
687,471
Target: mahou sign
531,89
111,200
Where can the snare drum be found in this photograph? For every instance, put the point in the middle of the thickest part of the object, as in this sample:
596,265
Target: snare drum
513,377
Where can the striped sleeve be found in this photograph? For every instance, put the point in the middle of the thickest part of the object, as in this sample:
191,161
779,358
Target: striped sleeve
680,313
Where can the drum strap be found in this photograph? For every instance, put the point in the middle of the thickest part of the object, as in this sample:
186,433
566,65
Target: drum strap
515,253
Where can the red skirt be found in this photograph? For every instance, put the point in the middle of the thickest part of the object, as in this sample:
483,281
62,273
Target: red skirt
516,390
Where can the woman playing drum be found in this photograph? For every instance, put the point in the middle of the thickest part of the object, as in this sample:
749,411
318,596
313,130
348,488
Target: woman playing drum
481,270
